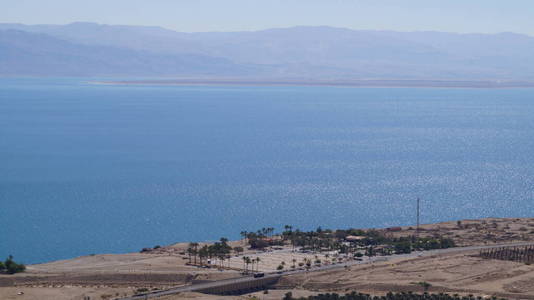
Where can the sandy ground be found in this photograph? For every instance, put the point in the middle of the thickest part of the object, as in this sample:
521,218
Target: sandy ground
103,276
61,293
452,273
271,295
475,232
269,261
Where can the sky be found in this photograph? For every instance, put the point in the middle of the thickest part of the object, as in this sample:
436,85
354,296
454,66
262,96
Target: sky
483,16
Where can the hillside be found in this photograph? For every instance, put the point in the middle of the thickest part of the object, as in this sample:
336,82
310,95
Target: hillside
297,52
23,53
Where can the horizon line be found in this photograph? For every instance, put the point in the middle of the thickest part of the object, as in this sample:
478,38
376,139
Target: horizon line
268,28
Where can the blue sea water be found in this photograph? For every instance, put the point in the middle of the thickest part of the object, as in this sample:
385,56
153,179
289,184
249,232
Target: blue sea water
88,168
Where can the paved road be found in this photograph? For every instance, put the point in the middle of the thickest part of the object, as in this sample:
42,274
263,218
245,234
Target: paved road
218,283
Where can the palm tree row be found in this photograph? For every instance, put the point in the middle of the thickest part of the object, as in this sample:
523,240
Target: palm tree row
248,261
326,239
521,254
220,250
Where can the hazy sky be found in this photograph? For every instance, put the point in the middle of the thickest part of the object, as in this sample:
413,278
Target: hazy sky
230,15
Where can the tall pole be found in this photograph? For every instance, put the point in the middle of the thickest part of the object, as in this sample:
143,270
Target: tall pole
417,230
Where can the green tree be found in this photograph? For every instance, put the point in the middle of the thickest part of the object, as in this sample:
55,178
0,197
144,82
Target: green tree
258,264
238,250
194,250
11,267
425,285
203,253
244,235
288,296
247,261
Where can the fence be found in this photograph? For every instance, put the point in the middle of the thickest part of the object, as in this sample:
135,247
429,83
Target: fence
524,254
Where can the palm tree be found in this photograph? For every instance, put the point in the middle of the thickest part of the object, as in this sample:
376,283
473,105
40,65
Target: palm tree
203,253
247,261
194,250
288,228
258,264
190,253
220,260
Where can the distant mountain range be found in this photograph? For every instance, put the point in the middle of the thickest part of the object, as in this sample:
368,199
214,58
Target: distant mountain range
88,49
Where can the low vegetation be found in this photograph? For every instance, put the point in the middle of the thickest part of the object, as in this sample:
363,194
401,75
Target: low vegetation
220,250
389,296
9,266
354,241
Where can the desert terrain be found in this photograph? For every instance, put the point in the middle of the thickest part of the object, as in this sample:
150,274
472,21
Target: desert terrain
110,276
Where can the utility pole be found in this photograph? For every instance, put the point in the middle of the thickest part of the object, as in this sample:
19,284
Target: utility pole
417,230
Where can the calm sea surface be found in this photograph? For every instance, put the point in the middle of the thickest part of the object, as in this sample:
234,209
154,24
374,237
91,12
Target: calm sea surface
106,169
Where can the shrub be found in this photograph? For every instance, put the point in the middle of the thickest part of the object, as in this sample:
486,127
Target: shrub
425,285
9,266
389,296
258,243
141,290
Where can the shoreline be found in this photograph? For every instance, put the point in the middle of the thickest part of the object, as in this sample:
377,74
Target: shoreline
173,269
405,228
363,83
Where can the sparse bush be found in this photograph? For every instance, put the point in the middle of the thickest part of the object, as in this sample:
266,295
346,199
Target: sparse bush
425,285
389,296
141,290
288,296
9,266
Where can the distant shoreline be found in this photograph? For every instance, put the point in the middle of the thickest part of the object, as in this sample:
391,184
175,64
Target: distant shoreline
364,83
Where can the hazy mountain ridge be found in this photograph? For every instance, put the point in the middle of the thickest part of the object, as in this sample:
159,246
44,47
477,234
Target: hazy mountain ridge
303,52
36,54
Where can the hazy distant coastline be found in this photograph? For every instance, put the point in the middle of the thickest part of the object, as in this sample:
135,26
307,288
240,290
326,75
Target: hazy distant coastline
340,83
303,52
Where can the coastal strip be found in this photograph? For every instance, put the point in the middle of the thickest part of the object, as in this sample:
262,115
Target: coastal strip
363,83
